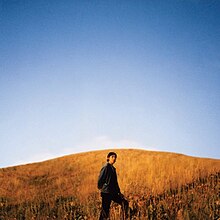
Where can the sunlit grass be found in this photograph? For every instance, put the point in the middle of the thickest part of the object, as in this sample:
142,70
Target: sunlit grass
140,173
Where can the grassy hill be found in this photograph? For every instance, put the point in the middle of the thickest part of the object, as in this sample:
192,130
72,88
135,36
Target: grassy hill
72,180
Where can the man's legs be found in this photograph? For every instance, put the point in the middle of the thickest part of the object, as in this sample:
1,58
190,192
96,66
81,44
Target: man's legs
106,202
123,202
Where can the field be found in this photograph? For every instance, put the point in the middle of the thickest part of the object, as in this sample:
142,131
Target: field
158,185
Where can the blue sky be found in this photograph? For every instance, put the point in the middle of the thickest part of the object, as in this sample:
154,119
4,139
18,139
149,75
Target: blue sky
84,75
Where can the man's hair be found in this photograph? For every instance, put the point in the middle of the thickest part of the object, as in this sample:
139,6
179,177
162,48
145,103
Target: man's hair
110,154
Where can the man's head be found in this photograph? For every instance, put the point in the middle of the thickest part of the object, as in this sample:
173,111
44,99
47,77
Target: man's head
111,157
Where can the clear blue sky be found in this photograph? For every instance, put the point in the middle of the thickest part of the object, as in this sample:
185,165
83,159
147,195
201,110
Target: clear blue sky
84,75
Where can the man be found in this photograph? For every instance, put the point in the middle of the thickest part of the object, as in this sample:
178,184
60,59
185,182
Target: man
110,191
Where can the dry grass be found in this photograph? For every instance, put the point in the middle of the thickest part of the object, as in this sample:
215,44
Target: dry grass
139,172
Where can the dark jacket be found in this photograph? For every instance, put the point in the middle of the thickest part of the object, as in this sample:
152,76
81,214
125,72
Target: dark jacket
107,181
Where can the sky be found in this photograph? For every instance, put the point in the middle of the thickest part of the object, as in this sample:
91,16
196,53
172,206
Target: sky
78,76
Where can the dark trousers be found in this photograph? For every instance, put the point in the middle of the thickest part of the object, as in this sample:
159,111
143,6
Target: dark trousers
107,198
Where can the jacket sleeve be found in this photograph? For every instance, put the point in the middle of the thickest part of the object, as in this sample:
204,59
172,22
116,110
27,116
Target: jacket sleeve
117,186
102,177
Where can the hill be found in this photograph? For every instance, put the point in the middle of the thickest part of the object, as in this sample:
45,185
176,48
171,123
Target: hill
71,181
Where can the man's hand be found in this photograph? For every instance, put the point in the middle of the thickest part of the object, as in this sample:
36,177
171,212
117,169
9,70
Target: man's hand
121,195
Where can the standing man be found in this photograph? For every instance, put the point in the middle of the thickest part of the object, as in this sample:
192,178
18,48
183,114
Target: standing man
110,191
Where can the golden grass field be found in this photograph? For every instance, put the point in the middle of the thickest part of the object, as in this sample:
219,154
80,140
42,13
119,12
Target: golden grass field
140,172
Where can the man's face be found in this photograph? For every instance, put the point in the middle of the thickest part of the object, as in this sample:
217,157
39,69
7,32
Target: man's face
112,159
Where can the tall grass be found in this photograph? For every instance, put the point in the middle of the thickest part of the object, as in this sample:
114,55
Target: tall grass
140,173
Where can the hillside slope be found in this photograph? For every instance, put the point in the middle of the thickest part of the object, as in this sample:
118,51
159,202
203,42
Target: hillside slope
140,173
